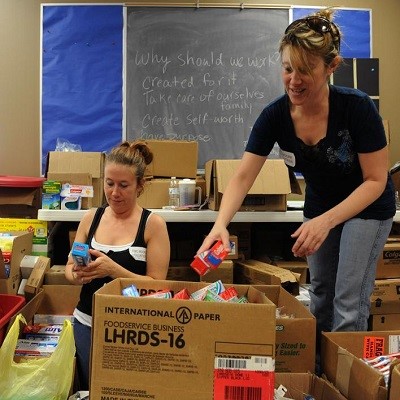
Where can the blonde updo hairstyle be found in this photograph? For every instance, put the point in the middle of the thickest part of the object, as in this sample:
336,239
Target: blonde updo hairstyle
136,155
303,41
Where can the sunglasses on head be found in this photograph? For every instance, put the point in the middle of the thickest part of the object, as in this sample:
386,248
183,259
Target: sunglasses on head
317,23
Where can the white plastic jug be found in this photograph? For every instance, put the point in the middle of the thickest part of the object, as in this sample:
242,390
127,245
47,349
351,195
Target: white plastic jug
187,193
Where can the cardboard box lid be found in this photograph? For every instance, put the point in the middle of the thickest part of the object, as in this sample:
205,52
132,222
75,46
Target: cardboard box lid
274,177
76,161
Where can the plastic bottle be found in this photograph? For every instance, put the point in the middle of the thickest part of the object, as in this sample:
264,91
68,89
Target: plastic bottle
173,193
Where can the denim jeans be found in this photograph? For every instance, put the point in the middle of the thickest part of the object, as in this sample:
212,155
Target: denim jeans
82,334
342,274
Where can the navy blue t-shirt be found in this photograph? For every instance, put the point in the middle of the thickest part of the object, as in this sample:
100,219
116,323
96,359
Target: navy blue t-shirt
331,168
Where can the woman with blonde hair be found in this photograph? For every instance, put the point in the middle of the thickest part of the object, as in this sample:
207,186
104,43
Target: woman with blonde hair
335,137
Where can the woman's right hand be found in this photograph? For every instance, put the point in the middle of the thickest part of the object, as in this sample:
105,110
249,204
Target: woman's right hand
216,233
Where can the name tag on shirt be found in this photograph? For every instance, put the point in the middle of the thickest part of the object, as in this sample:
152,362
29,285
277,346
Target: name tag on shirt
138,253
288,157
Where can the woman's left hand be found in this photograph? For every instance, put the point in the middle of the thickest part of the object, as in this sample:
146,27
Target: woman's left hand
100,267
310,235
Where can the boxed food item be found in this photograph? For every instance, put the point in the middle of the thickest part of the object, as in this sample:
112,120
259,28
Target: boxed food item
268,193
13,247
342,361
166,349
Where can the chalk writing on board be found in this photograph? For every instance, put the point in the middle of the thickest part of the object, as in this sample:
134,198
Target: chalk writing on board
185,85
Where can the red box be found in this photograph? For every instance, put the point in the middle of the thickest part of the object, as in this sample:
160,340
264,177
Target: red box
9,306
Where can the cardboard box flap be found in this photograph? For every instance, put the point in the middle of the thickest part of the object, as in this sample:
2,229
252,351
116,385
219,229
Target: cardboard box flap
29,309
272,179
59,299
342,361
283,274
76,161
300,384
350,366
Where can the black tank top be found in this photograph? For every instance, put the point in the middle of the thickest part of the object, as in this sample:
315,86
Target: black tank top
125,258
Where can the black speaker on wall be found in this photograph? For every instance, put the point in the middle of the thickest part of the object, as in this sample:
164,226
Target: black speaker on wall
359,73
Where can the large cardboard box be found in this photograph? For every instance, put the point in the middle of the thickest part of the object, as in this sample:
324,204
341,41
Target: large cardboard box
72,162
302,384
295,332
268,193
389,261
254,272
168,349
173,158
76,178
21,246
342,362
155,193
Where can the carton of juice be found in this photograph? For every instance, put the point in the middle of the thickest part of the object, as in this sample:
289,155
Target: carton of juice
209,259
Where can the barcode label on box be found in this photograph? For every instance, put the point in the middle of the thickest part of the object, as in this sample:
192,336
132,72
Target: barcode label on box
250,378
